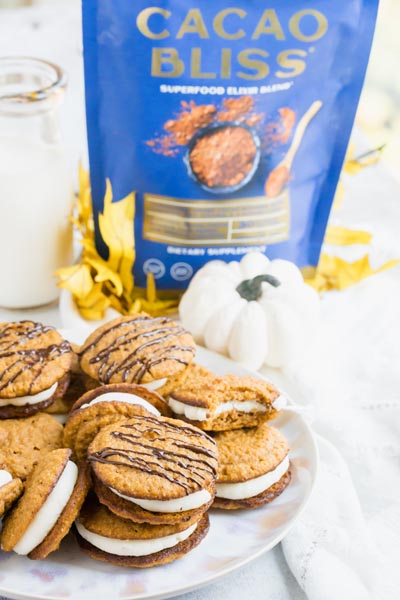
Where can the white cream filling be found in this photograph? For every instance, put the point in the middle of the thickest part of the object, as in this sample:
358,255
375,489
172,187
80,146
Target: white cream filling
252,487
189,502
246,406
194,413
52,508
34,399
154,385
133,547
5,477
123,397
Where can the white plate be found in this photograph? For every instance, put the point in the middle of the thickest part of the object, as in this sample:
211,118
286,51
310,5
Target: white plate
235,538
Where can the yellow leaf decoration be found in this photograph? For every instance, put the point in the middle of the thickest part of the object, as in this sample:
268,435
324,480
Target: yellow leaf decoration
334,273
77,279
116,228
367,159
341,236
98,284
151,288
84,206
94,305
104,273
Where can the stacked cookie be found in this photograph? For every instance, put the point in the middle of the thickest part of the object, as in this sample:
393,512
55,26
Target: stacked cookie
104,405
53,496
78,384
154,352
136,465
253,467
35,364
253,457
154,479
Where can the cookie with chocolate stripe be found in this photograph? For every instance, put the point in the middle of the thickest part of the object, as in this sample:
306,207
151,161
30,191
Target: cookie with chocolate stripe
34,368
154,469
151,351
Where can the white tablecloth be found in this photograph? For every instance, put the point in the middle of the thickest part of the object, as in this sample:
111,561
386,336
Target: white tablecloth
347,543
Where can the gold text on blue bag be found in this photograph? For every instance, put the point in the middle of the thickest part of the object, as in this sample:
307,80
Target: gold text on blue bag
230,24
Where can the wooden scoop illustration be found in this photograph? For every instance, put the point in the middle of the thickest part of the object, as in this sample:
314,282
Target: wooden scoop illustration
279,176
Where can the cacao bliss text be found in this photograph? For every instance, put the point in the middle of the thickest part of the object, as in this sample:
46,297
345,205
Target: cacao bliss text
251,63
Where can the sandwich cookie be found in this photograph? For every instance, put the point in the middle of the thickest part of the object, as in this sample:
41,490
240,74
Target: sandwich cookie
10,490
224,403
194,372
61,408
53,497
154,469
105,405
23,442
76,387
34,368
138,349
254,467
104,536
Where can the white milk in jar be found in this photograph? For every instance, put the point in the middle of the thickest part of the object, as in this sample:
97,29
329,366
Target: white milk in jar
35,184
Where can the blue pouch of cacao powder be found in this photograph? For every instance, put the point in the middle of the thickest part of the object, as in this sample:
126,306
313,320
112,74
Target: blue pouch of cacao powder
228,120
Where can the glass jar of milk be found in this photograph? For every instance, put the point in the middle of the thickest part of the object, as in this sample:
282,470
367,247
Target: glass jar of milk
35,183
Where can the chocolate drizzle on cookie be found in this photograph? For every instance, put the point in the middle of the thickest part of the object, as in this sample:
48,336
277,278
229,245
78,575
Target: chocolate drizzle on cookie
138,361
189,470
18,357
14,334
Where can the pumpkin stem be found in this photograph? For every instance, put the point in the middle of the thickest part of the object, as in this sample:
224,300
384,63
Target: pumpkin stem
250,289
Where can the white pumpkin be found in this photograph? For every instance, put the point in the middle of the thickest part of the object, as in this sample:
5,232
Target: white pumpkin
258,311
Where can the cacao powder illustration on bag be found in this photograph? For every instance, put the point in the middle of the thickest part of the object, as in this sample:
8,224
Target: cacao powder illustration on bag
224,144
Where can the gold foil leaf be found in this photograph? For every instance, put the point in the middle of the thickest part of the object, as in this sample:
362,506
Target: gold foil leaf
84,219
151,288
93,313
136,307
98,284
104,273
89,247
334,273
116,228
159,307
367,159
341,236
118,304
77,279
94,305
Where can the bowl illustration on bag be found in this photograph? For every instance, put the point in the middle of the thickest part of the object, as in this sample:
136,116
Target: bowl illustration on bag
223,157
